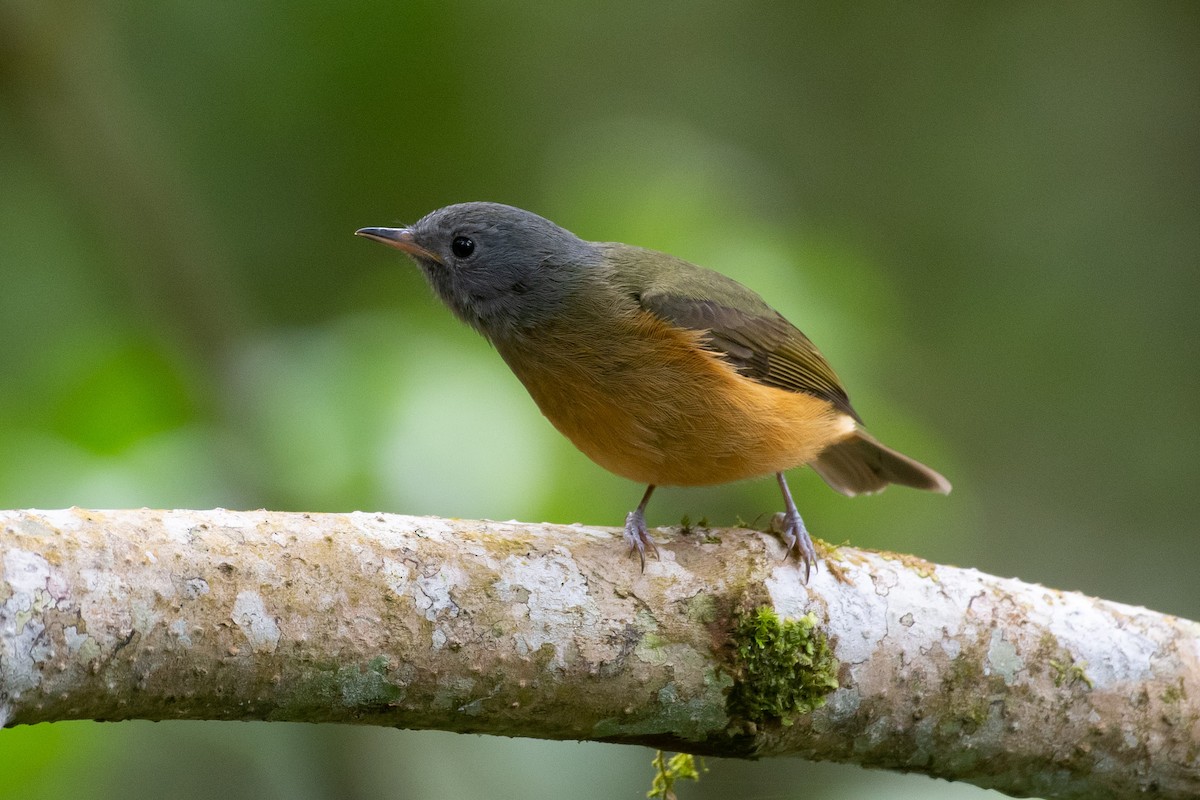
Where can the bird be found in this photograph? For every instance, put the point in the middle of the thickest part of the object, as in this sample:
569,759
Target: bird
659,370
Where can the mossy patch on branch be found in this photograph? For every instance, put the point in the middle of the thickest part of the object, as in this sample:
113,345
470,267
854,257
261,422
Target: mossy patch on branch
781,668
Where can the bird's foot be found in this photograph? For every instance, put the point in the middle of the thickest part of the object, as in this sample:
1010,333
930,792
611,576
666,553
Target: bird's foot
637,537
790,528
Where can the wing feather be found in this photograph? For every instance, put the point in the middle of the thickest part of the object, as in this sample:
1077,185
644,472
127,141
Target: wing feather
737,323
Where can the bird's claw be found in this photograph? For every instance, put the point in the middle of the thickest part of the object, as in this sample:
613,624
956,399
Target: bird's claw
637,537
796,540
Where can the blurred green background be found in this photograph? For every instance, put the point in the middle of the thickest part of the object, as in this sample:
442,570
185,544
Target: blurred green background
986,215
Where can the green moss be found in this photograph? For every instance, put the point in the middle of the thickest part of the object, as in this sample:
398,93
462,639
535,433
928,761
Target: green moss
681,766
1069,673
1063,667
782,668
1046,651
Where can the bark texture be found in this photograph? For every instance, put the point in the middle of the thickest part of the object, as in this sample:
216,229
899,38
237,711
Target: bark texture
549,631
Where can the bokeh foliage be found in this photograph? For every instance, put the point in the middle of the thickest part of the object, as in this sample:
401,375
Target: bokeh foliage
985,215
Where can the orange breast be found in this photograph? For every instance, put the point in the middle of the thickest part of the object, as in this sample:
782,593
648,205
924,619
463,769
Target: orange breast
646,400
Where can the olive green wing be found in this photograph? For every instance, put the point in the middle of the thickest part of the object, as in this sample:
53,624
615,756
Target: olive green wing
737,323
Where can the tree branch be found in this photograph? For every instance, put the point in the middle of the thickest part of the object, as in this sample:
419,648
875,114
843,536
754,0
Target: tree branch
549,631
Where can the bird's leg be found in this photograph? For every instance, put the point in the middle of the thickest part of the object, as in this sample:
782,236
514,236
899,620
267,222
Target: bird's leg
795,535
635,529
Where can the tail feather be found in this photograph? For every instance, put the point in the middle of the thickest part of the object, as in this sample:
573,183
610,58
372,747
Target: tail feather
862,465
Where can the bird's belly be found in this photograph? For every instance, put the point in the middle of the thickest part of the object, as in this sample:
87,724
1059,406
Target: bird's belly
651,404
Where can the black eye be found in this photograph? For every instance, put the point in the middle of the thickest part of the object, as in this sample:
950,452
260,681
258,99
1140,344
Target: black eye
462,246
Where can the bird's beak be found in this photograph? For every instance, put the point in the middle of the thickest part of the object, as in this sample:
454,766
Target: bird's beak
399,238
